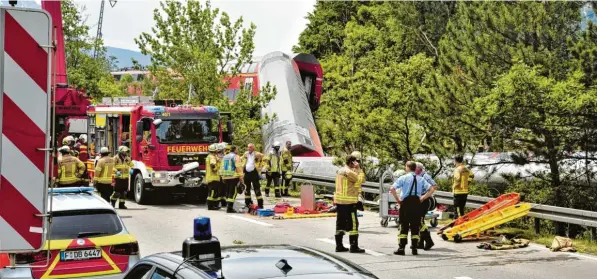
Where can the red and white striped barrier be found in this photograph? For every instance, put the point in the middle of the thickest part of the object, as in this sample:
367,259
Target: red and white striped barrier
25,35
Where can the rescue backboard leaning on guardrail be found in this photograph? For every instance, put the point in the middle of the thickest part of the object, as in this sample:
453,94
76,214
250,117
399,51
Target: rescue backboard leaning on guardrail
553,213
25,69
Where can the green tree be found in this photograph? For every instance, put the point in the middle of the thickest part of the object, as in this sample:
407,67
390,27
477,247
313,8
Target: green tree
84,72
196,42
195,46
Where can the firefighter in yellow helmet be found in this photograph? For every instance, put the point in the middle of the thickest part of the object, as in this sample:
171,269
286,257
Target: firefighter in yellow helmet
212,178
286,169
220,149
104,170
70,168
346,197
123,165
272,166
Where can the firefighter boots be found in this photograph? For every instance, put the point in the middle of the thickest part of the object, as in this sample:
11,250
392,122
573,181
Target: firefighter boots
428,241
401,245
260,203
413,247
113,202
122,206
422,241
230,208
354,244
339,245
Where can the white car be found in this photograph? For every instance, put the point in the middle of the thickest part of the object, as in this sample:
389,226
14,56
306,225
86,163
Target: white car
87,239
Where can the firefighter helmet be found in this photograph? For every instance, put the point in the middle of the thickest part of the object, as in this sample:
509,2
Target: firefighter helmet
64,149
276,144
66,140
104,150
212,148
220,146
356,154
83,138
123,149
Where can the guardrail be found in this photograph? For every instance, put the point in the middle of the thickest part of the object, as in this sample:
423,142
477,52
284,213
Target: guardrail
539,211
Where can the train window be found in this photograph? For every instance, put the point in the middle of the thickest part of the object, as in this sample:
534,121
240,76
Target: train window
252,68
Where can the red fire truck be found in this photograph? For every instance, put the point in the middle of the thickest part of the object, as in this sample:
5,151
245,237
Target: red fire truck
166,140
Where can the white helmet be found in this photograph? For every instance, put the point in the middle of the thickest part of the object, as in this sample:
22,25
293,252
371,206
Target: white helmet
276,144
104,150
64,149
83,138
220,146
356,154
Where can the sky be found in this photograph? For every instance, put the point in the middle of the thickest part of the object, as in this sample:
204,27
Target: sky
279,22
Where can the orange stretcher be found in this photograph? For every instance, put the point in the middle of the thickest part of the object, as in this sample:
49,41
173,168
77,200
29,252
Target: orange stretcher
497,204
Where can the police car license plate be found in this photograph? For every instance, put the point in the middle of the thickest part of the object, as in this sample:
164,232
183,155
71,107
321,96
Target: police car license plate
80,255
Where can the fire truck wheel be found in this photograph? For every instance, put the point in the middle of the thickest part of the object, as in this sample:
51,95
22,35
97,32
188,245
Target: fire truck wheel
141,196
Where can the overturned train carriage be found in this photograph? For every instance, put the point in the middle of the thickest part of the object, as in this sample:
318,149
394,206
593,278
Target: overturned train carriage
298,81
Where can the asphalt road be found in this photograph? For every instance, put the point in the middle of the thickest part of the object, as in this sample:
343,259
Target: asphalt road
162,228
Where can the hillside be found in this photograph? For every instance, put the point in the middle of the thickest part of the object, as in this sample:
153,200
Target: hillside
123,56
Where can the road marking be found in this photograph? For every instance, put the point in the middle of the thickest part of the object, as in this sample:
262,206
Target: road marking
370,252
462,278
252,221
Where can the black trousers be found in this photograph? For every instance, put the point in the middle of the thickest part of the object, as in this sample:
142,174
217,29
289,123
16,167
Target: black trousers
424,209
105,190
459,204
213,189
231,186
285,183
410,220
346,219
222,191
275,178
252,182
120,188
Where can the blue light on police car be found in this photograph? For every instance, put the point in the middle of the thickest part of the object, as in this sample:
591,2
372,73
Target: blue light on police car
202,228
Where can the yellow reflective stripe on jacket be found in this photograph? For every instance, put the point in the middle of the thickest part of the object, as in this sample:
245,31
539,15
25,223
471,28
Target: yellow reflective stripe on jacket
211,174
69,170
286,156
461,180
123,167
273,163
347,189
104,170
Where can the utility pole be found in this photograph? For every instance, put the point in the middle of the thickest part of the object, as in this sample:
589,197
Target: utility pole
99,26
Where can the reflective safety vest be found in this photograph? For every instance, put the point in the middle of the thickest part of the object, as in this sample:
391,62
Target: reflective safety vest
286,161
348,186
272,161
83,154
211,173
461,180
230,166
123,166
104,170
69,170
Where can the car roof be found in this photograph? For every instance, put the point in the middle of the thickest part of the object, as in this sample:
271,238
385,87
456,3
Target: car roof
262,260
76,201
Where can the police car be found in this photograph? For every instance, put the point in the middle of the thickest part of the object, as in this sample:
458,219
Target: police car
87,239
202,257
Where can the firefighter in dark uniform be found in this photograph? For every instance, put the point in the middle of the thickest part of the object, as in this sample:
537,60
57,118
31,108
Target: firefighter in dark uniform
411,189
83,156
70,168
346,197
272,167
425,241
212,178
104,170
123,165
286,169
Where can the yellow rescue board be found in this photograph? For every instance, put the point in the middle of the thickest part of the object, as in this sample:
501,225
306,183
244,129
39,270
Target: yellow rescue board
486,222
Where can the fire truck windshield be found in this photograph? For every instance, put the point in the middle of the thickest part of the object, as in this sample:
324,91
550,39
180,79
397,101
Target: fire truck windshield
188,131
